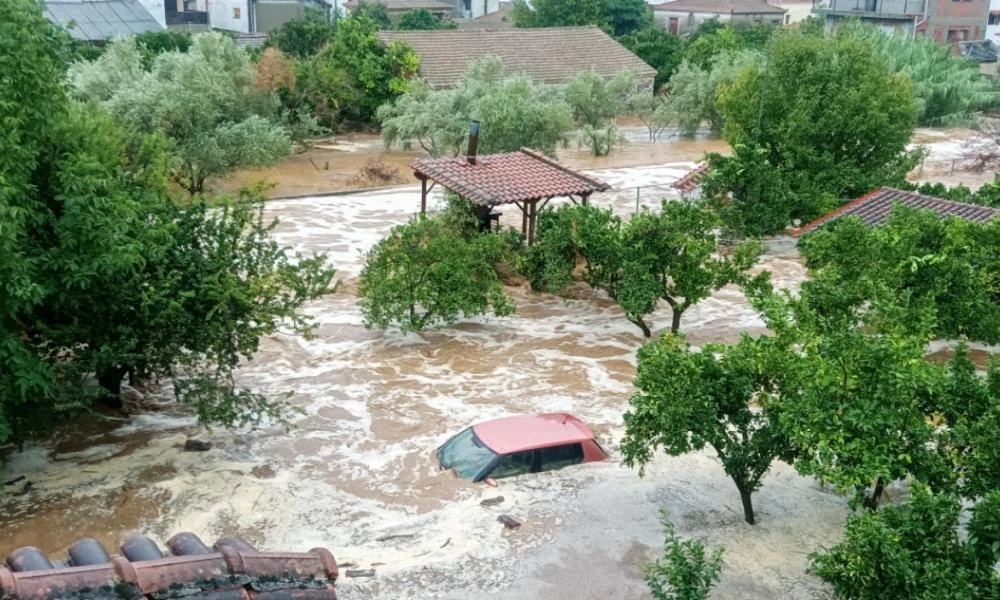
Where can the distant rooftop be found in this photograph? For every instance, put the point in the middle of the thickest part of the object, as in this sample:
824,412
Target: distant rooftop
722,7
99,20
552,55
405,5
875,207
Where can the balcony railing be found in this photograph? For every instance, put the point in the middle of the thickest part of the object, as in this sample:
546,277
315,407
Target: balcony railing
886,9
188,17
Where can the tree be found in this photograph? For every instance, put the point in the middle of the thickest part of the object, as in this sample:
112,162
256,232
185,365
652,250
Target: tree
596,103
694,91
653,110
749,193
427,273
686,571
106,275
303,36
945,267
513,112
372,74
950,90
671,255
915,550
204,100
376,12
154,43
720,396
559,13
845,147
422,18
626,17
661,50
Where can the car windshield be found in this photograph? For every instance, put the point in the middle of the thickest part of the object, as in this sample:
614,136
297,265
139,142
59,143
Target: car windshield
466,455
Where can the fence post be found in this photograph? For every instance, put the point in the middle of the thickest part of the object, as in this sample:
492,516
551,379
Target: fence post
636,199
952,166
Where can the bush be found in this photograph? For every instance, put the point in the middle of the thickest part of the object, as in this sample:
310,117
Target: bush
686,571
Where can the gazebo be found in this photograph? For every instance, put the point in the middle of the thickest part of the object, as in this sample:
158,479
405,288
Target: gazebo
526,178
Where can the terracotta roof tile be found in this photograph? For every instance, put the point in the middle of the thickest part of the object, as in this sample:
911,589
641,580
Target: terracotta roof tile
692,179
721,7
232,569
551,55
874,208
406,5
506,178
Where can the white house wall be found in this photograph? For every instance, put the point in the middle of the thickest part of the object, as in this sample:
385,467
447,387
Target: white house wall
993,22
230,15
157,9
687,21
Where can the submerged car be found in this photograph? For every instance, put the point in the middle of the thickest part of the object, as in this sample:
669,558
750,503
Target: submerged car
516,445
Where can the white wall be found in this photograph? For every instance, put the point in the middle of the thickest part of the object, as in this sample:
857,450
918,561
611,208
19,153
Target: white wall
687,21
156,8
222,15
484,7
993,31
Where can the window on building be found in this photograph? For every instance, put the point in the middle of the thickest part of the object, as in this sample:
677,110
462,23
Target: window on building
958,35
236,12
994,17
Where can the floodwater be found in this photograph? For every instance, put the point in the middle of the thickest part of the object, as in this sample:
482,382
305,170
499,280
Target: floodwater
359,466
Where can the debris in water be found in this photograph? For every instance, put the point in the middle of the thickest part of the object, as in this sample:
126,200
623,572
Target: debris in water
27,488
395,536
446,542
15,480
509,521
193,445
492,501
361,572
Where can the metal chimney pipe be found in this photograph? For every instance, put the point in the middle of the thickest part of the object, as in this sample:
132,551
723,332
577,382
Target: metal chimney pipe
470,155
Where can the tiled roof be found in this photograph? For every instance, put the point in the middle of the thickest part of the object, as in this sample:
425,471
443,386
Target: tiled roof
692,179
874,208
232,569
405,5
548,55
98,20
506,178
722,7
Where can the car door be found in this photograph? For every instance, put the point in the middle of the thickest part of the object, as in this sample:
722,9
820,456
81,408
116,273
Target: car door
516,463
557,457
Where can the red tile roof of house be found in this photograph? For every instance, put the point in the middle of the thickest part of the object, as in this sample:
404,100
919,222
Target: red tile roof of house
505,178
874,208
721,7
691,179
406,5
549,55
230,569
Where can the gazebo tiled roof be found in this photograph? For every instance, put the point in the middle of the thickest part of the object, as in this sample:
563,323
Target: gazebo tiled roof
511,177
875,207
691,179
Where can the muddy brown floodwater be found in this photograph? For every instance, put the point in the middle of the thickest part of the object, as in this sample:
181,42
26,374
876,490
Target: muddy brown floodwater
359,465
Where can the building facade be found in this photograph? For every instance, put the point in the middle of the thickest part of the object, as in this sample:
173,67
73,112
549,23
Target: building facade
684,16
946,21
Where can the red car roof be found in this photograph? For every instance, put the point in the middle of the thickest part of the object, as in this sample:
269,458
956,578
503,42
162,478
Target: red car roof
524,432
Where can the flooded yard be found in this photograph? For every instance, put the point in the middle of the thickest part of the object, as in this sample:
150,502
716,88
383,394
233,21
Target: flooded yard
358,467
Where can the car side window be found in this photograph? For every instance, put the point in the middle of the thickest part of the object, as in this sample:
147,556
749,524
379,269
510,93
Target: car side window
517,463
558,457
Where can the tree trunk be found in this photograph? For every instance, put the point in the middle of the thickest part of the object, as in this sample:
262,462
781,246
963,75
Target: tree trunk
747,503
642,325
111,380
675,323
871,502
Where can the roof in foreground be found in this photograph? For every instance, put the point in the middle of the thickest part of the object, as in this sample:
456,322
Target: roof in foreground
524,432
875,207
506,178
97,20
550,55
722,7
692,179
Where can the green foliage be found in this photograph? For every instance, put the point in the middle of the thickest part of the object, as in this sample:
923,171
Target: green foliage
427,273
514,114
423,19
654,110
833,119
945,267
690,399
686,571
376,12
154,43
617,17
915,551
670,255
712,39
694,91
661,50
304,36
949,90
596,103
104,274
203,100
